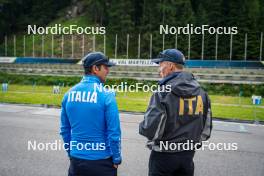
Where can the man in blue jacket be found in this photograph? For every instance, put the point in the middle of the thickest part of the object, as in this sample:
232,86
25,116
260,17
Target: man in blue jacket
90,125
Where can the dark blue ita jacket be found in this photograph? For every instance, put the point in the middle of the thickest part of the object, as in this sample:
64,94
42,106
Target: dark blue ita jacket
90,125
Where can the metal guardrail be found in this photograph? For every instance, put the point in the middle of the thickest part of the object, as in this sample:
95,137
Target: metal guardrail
236,76
142,69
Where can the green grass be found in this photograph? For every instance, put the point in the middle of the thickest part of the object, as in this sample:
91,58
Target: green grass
222,106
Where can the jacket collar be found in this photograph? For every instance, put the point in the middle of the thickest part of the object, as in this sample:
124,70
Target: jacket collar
91,79
169,77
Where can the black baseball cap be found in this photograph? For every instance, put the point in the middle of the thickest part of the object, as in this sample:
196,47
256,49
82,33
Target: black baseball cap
96,58
171,55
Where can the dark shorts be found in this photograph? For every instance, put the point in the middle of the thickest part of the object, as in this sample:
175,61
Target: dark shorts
171,164
82,167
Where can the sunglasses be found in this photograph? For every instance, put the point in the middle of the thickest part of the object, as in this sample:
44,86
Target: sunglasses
106,59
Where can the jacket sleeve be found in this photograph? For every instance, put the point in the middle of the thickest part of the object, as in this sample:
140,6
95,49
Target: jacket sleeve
65,127
154,121
113,127
208,125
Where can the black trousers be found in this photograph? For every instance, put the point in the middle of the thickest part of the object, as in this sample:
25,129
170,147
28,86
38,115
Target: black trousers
171,164
81,167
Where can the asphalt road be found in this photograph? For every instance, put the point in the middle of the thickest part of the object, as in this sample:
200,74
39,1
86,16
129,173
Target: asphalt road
22,124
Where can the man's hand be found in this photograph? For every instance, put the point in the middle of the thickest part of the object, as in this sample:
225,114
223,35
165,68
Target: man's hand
115,166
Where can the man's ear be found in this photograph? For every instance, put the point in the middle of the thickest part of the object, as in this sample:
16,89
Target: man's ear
172,67
94,69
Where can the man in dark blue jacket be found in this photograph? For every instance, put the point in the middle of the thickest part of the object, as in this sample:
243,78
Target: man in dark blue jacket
90,125
176,120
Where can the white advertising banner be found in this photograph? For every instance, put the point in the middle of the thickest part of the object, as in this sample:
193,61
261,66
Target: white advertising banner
133,62
7,59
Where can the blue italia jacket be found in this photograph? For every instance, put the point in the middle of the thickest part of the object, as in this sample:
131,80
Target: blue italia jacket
90,125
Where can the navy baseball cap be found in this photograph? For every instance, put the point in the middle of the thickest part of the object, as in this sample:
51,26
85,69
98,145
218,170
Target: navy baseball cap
171,55
96,58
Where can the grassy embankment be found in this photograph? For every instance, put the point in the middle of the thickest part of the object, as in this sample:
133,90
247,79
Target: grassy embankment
229,107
